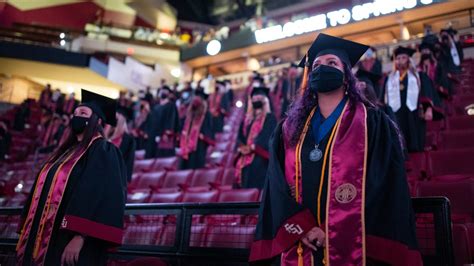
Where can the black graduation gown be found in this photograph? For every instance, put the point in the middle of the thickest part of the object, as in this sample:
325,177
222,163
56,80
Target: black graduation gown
218,121
388,211
21,116
254,174
96,191
127,148
164,118
5,139
411,125
197,159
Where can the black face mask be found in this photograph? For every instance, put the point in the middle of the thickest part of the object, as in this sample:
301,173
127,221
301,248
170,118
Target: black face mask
257,105
79,124
164,96
325,79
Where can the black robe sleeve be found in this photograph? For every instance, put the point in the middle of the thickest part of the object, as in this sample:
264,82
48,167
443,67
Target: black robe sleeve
278,208
97,204
389,218
262,141
127,147
207,130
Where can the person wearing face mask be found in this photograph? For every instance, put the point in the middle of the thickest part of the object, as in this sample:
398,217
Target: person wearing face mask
413,99
336,192
120,137
197,133
254,133
82,189
435,71
164,127
142,125
219,105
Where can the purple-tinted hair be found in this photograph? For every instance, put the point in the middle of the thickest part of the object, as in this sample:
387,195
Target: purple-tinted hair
302,106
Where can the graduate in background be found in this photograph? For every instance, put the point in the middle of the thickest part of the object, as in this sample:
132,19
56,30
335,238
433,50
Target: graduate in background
413,99
120,137
81,188
164,126
254,133
371,64
229,91
336,192
219,105
197,133
435,71
452,53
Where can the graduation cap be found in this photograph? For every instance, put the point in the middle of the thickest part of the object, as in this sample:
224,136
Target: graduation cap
348,51
126,112
202,94
260,91
220,82
102,106
368,76
425,45
166,88
403,50
449,31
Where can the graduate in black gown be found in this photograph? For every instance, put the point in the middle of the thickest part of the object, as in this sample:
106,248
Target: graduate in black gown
336,192
413,99
197,133
254,134
219,105
452,53
164,126
437,72
21,116
120,137
366,86
371,64
81,188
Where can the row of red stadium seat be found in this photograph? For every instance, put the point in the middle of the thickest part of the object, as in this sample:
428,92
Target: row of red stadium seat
207,196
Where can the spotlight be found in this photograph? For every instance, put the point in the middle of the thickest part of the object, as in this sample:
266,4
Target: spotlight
62,35
62,42
213,47
239,104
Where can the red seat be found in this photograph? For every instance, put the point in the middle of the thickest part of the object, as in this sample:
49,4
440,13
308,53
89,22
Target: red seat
451,162
139,196
142,234
166,164
205,177
151,180
145,261
239,236
135,179
229,176
417,164
176,178
461,122
140,155
198,235
17,200
143,165
456,139
166,197
201,197
460,194
168,236
462,247
239,195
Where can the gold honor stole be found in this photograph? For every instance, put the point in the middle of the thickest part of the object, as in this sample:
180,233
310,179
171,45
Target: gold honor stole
53,201
345,204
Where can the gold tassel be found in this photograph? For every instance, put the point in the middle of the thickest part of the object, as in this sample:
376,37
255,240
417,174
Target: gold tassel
304,82
300,254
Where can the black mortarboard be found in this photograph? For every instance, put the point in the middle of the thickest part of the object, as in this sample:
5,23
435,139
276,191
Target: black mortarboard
368,76
293,65
403,50
260,91
166,88
348,51
102,106
425,45
126,112
259,78
201,94
449,30
220,82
